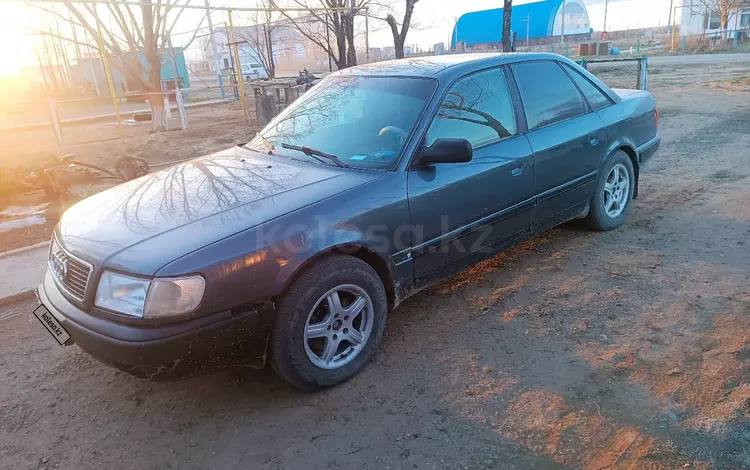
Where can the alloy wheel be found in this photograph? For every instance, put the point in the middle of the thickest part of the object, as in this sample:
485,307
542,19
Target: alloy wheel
616,191
338,326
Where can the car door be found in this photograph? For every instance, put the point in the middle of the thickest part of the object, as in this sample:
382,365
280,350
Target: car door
568,141
458,209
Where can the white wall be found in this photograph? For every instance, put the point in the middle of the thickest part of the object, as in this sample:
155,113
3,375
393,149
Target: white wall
286,41
576,18
693,14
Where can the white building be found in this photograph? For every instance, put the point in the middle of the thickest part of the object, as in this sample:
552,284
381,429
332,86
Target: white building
697,19
288,44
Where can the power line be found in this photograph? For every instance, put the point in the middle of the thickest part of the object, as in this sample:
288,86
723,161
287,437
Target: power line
188,6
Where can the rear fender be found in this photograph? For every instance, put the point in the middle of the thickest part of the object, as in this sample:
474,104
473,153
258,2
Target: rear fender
628,147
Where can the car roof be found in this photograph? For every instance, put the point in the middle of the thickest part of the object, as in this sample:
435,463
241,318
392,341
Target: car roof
443,66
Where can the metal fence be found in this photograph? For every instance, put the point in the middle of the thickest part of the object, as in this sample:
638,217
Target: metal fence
619,73
53,123
710,41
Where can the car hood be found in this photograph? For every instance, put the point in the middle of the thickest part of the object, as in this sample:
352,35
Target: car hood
146,223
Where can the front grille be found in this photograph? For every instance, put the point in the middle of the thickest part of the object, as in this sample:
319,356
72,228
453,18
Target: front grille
70,273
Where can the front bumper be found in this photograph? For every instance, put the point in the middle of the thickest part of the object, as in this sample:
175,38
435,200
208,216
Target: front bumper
170,351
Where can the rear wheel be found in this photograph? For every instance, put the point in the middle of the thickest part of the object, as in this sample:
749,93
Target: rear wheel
329,323
614,191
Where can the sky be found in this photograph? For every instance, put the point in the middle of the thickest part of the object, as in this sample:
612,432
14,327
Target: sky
11,36
435,19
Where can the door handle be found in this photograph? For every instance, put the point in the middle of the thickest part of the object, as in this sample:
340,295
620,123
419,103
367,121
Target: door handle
594,139
516,171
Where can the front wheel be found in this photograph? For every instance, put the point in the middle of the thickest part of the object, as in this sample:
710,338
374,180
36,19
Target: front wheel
614,191
328,323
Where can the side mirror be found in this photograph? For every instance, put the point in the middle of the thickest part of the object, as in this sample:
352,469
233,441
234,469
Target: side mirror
446,151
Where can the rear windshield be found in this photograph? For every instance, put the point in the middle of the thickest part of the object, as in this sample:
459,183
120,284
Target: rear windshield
364,121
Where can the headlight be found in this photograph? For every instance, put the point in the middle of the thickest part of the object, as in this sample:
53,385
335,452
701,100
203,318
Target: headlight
174,296
150,299
122,294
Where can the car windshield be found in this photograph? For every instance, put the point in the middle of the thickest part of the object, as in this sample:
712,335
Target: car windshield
364,121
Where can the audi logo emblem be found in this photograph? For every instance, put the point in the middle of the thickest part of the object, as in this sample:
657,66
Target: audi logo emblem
59,264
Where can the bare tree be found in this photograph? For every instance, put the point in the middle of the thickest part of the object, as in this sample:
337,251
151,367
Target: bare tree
724,9
323,27
507,10
205,47
127,32
399,37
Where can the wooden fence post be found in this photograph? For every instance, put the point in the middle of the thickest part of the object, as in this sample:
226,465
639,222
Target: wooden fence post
55,120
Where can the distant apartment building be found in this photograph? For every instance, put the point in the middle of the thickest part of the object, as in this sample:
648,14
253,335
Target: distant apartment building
291,50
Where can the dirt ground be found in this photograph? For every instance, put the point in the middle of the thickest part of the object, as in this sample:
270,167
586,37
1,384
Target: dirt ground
627,349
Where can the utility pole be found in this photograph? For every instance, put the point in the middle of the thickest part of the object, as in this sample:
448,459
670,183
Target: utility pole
177,90
75,37
669,21
108,72
562,30
352,7
214,52
528,23
328,44
367,33
606,4
238,73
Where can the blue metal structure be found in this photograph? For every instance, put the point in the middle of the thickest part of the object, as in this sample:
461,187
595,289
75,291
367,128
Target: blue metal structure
168,65
485,27
167,69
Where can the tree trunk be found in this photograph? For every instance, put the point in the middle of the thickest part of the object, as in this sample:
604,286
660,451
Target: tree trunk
399,37
507,8
341,60
267,35
351,53
155,93
158,112
399,46
398,43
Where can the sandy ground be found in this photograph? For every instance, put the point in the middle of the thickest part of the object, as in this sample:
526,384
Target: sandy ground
626,349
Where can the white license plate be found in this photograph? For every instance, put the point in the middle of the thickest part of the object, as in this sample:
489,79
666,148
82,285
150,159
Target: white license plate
53,326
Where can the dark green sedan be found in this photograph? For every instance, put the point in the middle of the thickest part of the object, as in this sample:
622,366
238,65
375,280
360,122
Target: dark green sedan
378,182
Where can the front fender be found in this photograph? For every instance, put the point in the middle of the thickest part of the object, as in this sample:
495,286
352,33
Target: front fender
259,263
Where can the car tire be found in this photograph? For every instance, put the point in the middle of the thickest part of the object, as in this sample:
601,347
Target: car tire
296,354
614,192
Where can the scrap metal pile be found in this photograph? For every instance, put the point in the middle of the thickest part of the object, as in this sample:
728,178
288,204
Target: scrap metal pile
67,179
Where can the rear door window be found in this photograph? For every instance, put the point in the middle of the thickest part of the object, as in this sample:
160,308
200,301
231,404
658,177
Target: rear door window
548,95
478,108
596,98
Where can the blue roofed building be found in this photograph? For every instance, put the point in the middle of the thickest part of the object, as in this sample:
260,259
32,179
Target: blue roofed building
484,28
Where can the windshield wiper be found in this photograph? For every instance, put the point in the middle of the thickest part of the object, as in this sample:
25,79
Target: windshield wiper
316,153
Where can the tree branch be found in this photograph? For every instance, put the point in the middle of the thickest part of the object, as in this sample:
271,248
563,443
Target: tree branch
52,12
38,32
